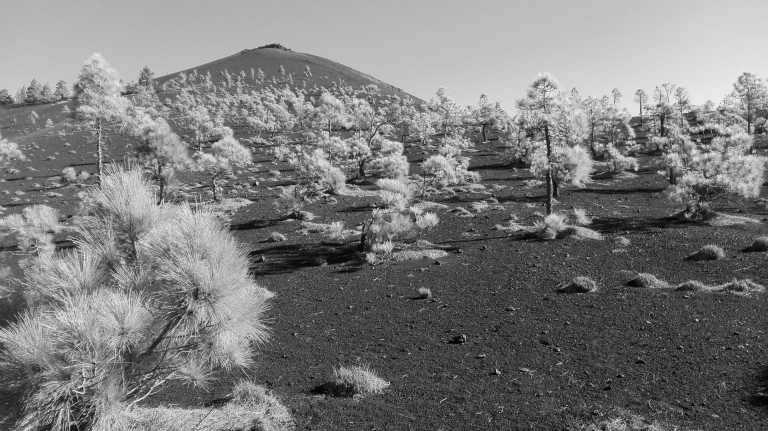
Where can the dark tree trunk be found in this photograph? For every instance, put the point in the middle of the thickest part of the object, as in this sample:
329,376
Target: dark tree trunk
555,189
549,179
99,152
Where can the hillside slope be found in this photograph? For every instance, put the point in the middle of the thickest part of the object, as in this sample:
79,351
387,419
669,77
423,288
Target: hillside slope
271,57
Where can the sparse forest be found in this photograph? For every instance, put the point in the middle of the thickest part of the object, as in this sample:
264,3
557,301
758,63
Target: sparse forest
146,223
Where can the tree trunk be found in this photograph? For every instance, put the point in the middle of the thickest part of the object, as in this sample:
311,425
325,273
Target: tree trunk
213,188
161,183
555,189
482,132
662,131
641,114
99,153
361,168
549,179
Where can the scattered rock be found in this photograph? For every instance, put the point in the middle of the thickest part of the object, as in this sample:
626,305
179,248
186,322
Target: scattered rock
579,284
276,237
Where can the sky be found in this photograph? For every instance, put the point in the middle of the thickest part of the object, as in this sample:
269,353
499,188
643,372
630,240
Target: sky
493,47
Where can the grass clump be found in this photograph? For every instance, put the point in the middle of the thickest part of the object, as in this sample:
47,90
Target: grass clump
743,287
423,293
708,252
357,380
623,420
553,226
648,281
758,245
251,408
579,284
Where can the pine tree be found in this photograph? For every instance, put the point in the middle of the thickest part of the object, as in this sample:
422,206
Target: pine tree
5,97
99,100
751,93
641,98
146,77
46,95
34,93
62,91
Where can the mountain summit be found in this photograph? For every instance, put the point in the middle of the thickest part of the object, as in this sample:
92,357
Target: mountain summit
275,60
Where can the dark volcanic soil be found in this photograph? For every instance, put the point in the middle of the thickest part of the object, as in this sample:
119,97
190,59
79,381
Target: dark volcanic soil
533,359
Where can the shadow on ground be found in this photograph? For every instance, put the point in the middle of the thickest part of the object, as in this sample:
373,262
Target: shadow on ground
290,257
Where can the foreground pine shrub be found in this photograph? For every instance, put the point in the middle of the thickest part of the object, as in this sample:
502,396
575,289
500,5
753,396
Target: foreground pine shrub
150,294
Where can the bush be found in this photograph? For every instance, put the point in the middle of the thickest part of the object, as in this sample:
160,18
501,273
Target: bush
702,173
149,294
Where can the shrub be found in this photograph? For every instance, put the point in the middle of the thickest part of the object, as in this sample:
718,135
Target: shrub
9,151
225,154
69,174
619,162
702,173
34,229
317,175
149,294
570,165
388,160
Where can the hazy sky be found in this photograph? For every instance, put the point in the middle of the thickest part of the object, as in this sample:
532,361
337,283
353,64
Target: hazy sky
469,47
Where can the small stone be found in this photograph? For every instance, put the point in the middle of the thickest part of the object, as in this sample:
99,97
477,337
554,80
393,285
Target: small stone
496,372
481,356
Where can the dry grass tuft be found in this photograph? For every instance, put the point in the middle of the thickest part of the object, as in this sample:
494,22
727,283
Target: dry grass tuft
625,421
579,284
758,245
357,380
708,252
424,293
406,255
648,281
743,287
